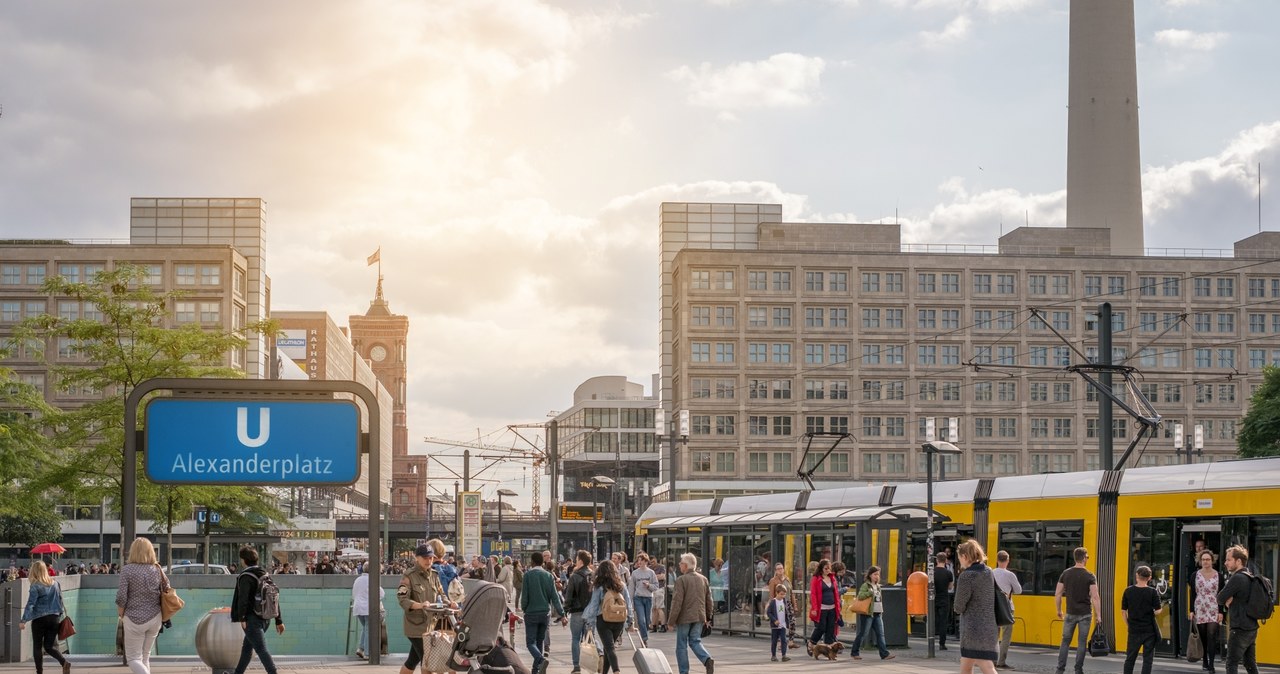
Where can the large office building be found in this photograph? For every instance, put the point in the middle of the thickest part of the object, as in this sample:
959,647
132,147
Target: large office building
774,329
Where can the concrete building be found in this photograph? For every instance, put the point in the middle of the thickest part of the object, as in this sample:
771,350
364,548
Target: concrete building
775,329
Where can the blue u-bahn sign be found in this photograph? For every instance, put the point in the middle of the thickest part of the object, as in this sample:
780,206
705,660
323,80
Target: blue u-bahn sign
252,442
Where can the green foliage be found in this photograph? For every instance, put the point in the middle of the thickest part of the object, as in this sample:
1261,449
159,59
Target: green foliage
1260,429
23,446
35,526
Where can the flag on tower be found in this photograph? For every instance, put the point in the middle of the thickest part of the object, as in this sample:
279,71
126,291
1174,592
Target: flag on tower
376,257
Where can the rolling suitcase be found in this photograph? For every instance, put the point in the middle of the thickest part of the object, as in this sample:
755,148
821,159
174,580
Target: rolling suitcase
651,661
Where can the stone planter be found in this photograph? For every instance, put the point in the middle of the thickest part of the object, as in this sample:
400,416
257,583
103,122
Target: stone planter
218,640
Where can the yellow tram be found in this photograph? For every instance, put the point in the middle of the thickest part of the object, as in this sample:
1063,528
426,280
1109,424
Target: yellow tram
1141,516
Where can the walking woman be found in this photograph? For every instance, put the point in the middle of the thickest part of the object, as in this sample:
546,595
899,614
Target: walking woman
875,621
1204,611
976,603
44,605
608,611
824,603
138,603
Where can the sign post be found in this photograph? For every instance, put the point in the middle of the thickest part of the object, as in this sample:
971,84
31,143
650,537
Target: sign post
469,519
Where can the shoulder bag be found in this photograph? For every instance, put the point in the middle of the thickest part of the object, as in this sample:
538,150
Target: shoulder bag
437,647
66,628
1098,646
590,657
1004,607
170,602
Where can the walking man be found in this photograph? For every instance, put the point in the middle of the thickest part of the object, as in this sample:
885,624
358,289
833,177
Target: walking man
1080,590
254,616
577,594
1242,640
1006,582
537,600
691,608
943,580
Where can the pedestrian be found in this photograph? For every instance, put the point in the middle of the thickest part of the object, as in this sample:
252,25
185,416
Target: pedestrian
975,601
1243,636
824,604
537,601
873,622
517,580
325,567
577,594
691,608
1079,588
644,582
1008,583
44,605
943,585
1204,607
608,611
253,615
419,588
138,604
1139,605
361,610
506,578
778,620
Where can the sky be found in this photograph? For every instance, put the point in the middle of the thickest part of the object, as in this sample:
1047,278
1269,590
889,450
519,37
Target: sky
509,156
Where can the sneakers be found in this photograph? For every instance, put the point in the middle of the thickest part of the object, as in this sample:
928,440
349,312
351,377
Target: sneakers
889,656
786,659
773,659
359,654
542,667
66,667
576,670
710,664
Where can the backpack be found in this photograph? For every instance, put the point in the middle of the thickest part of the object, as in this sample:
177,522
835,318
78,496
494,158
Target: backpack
613,608
266,596
1261,600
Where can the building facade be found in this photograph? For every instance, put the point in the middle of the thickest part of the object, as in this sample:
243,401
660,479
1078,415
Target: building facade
776,329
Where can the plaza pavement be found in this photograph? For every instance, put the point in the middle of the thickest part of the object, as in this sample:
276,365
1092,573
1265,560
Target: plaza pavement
733,655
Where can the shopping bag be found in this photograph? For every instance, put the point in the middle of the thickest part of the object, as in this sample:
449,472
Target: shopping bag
1195,650
590,655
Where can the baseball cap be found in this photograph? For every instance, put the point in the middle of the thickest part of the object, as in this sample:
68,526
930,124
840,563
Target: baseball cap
425,550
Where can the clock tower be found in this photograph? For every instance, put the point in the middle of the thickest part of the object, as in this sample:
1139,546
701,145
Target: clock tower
381,337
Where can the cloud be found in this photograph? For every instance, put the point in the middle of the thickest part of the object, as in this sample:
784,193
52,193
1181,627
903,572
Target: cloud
955,31
1175,38
780,81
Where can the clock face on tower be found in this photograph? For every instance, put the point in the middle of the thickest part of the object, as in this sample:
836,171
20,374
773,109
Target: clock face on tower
378,353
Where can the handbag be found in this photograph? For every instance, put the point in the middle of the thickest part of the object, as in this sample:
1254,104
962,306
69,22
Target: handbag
1195,649
66,628
437,647
706,630
1098,646
861,606
170,602
590,657
1004,607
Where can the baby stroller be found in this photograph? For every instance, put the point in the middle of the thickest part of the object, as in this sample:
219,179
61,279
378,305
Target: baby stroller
478,626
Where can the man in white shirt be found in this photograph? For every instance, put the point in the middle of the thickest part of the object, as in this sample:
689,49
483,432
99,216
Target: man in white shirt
1008,583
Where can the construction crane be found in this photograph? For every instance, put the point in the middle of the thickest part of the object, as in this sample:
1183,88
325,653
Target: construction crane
537,458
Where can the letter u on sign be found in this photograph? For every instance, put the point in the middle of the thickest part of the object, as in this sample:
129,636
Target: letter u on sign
242,426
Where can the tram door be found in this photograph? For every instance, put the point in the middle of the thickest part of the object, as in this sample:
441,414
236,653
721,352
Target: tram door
1154,543
1192,533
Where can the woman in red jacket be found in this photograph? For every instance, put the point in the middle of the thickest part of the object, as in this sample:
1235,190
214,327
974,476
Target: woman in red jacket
824,603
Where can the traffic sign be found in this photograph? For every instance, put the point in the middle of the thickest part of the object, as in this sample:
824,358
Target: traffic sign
199,441
214,518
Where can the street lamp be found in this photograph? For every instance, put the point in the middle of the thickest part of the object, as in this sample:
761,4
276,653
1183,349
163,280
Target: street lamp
1198,446
930,448
501,493
596,482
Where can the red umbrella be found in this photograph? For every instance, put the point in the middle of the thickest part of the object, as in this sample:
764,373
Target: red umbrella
48,548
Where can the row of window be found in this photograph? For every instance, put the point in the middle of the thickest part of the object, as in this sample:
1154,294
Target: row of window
783,462
34,274
981,283
13,311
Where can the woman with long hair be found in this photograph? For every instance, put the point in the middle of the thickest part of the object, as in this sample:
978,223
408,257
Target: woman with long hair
1204,608
975,601
138,604
604,610
875,620
44,605
824,603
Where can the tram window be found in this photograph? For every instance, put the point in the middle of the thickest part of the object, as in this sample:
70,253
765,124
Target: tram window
1040,552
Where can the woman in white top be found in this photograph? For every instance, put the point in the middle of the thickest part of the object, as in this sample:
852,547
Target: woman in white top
360,609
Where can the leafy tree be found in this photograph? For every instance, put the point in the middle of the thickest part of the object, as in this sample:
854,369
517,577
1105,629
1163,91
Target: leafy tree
1260,429
31,528
120,342
23,446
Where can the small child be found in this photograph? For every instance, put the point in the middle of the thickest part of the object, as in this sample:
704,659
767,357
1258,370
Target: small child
659,623
1140,605
778,619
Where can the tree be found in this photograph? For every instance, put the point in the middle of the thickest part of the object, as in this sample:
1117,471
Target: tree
31,528
120,341
23,447
1260,429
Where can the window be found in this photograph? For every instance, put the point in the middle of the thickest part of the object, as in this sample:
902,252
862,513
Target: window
870,282
838,389
210,312
813,354
838,317
782,353
1172,286
814,389
725,388
838,424
813,281
724,317
1062,392
951,283
699,388
1257,323
1008,427
1115,285
926,319
1007,391
700,424
724,279
982,284
36,274
726,424
782,317
757,352
781,389
782,462
897,462
1062,321
186,275
1226,287
1004,284
699,352
701,461
1008,463
1147,286
893,282
871,462
1039,392
814,424
895,427
1203,287
1203,322
185,312
10,312
782,426
982,427
871,426
782,281
983,464
700,316
757,389
1040,552
871,389
1062,427
1061,285
950,319
838,281
951,391
758,462
71,272
757,317
926,283
757,280
10,274
1039,355
927,354
1147,321
813,317
1227,358
893,318
1227,323
724,352
1093,285
1037,284
951,354
1257,287
870,354
210,275
870,318
837,353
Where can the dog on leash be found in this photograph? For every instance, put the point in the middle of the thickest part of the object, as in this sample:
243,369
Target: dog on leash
828,650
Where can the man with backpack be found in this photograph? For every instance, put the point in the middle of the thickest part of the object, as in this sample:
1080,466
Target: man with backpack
254,605
1248,599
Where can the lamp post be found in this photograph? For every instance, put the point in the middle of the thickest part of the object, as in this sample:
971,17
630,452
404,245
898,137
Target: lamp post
930,448
596,482
1190,444
501,493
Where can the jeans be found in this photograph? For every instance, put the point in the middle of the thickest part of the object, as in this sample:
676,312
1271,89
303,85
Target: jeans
867,623
942,612
138,641
44,637
535,634
362,644
610,633
575,636
1242,648
1006,637
643,609
255,641
825,627
689,636
778,635
1146,642
1069,624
